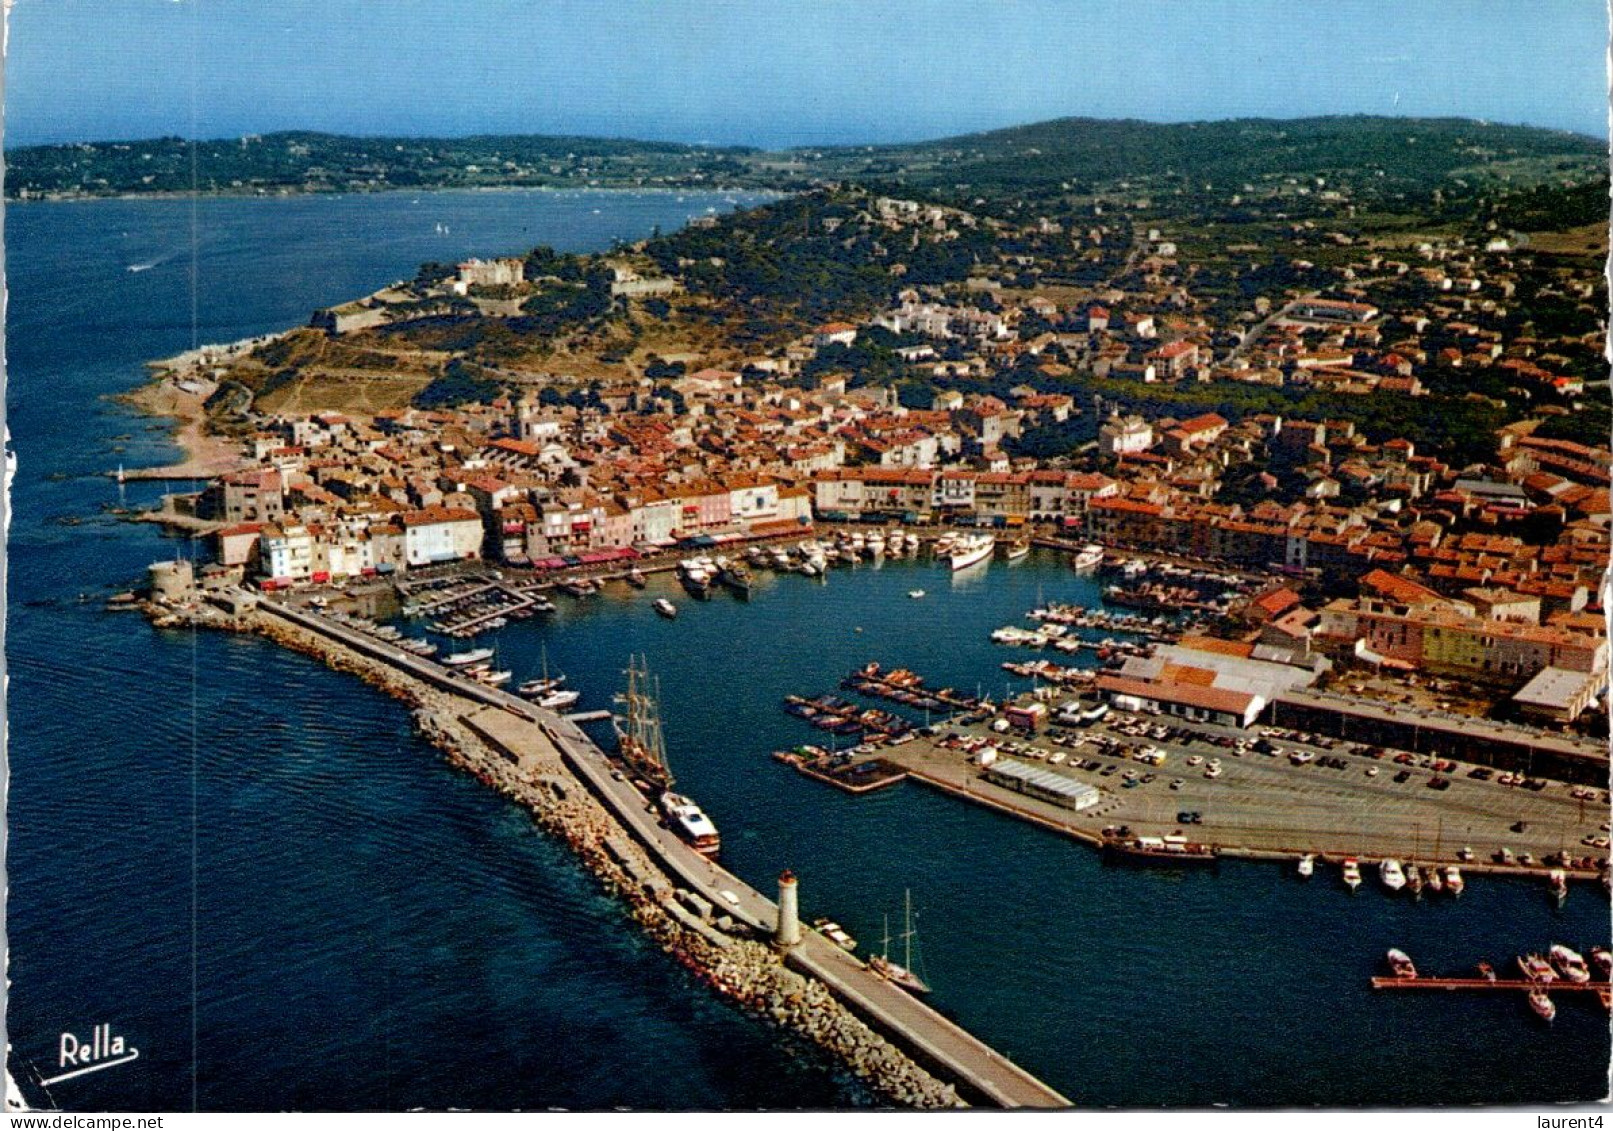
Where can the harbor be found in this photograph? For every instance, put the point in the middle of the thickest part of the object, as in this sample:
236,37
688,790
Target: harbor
545,750
857,771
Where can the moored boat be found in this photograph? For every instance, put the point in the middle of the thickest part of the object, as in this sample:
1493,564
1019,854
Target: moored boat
665,608
1088,558
691,824
466,659
1018,549
899,974
1541,1003
1453,879
1351,873
1393,877
1603,958
1536,968
971,550
835,933
559,699
1569,963
1400,963
1307,865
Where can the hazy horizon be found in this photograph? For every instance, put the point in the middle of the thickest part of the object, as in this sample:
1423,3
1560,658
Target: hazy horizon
855,144
735,73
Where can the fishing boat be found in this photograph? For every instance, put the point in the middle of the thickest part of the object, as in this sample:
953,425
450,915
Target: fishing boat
835,933
642,749
971,550
1018,549
1400,964
900,975
1541,1003
466,659
665,608
1453,879
1307,865
1569,963
1352,873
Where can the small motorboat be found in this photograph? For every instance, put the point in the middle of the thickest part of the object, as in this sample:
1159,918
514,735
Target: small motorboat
1541,1003
1453,879
835,933
666,608
1434,880
1559,884
1393,877
916,594
1486,971
1401,964
1603,959
1352,873
1569,963
1307,865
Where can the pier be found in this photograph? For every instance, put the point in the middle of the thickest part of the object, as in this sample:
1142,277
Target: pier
1514,984
533,737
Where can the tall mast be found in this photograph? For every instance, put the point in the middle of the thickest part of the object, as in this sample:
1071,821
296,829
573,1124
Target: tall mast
907,933
641,742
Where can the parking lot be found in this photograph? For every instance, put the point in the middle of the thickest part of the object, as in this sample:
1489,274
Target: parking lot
1270,790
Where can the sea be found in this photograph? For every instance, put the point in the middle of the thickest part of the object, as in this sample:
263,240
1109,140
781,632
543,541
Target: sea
248,868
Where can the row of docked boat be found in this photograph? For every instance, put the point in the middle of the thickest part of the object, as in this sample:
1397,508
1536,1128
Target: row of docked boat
701,575
1394,875
390,634
1079,616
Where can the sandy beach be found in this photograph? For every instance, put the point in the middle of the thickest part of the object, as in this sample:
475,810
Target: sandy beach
206,455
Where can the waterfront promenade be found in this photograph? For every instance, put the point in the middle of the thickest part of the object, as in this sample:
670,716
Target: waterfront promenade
536,740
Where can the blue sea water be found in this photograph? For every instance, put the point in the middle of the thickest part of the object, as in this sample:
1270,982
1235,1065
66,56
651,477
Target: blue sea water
252,870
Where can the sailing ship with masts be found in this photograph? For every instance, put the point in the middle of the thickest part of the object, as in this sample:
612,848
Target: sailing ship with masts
642,748
902,975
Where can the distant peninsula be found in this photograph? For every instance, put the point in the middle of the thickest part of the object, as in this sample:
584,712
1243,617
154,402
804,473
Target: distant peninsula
1067,155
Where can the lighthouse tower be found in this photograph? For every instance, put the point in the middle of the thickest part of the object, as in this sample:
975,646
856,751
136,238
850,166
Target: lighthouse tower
789,912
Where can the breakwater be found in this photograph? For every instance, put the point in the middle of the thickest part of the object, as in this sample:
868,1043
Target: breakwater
742,969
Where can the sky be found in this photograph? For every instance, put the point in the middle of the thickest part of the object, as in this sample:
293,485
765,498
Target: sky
777,73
